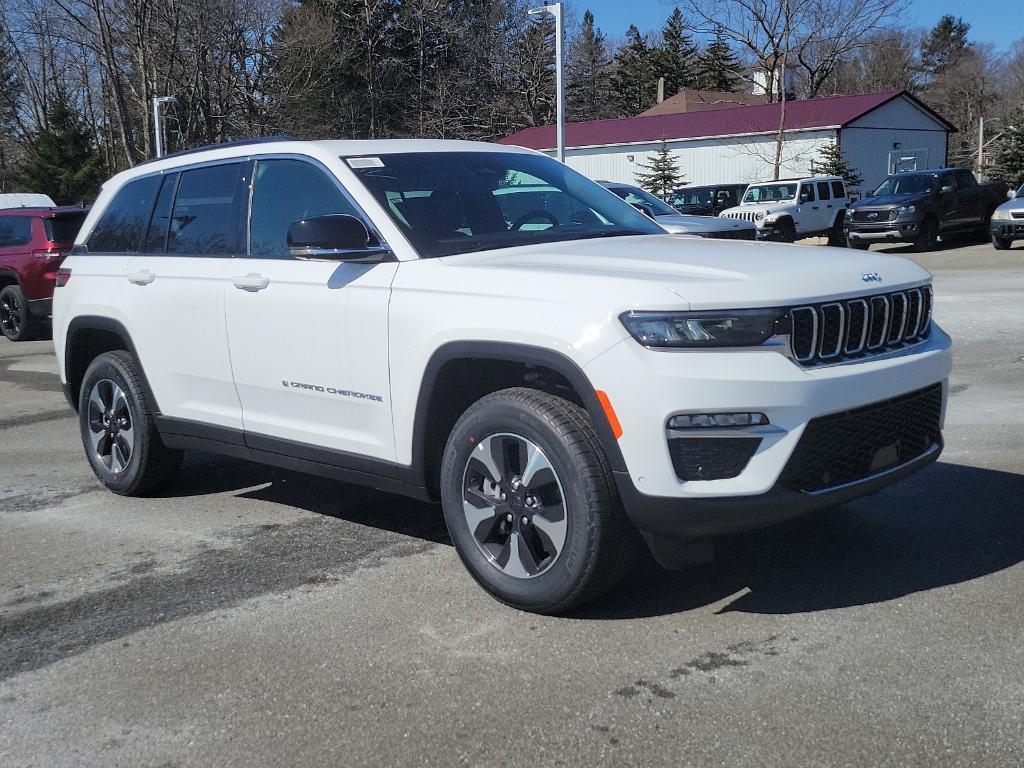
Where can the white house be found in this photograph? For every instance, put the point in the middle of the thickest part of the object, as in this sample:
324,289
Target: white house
878,133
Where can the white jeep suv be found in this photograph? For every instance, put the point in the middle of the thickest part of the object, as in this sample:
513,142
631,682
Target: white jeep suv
792,209
556,370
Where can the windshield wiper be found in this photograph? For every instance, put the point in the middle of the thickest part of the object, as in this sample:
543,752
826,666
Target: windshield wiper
613,233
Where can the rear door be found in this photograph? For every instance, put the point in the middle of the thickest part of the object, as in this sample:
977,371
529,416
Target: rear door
15,244
308,338
176,293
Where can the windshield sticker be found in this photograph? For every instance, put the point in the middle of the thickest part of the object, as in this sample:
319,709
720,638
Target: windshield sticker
365,162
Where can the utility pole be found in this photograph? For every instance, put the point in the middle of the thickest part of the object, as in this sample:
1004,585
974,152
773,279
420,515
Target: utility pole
555,9
158,128
981,144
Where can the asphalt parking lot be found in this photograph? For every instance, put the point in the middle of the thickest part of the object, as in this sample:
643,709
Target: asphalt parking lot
254,617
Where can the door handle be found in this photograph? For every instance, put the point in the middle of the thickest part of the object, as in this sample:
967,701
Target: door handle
815,207
142,277
251,282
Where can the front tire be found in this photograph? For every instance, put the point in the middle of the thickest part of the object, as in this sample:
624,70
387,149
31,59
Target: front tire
928,237
118,431
836,238
16,321
530,502
785,231
1001,243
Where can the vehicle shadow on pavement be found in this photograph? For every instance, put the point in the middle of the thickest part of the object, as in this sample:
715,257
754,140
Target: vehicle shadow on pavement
948,524
205,474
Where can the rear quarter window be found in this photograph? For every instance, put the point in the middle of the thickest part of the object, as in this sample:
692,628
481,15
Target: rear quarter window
120,226
15,230
838,190
63,228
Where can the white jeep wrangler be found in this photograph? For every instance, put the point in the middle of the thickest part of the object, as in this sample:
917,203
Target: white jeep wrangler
792,209
484,327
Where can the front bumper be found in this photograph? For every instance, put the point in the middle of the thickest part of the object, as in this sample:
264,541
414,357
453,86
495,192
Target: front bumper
1008,229
662,384
889,231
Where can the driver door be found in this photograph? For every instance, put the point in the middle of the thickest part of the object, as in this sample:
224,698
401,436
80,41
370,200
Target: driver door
308,339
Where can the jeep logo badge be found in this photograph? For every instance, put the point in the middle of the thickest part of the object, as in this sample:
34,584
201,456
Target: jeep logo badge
870,277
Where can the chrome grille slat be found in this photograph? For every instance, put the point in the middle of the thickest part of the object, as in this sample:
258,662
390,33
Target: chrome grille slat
859,328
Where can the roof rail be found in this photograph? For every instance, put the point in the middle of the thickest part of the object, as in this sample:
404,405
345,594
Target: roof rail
222,145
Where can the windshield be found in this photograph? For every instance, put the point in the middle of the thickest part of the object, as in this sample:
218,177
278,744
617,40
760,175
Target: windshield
459,202
907,185
693,196
1020,192
763,193
635,196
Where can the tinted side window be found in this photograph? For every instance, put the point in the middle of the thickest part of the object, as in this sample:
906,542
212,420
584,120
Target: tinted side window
965,179
122,223
15,230
205,217
285,191
807,192
823,193
159,223
838,192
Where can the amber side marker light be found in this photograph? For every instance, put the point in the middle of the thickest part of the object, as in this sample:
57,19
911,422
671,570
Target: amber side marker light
609,413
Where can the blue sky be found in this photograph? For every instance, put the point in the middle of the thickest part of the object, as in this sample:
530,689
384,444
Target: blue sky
992,21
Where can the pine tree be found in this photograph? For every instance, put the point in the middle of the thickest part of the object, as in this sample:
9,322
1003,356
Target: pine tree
10,93
944,45
661,175
832,163
1008,152
62,161
718,68
633,82
588,87
676,58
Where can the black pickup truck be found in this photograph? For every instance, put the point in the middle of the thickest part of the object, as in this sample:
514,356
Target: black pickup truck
917,207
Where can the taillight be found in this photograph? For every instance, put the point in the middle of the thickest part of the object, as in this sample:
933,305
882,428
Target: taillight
63,276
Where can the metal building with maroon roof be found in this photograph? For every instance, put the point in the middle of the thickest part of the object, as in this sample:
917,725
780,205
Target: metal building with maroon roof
878,133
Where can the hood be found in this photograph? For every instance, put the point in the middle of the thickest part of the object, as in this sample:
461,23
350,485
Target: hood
889,201
679,224
703,274
1017,204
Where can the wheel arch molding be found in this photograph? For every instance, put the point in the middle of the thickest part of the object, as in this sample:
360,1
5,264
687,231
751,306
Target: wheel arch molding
430,398
88,337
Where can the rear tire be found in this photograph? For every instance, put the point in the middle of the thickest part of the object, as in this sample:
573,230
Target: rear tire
118,430
836,238
928,238
571,539
1001,243
16,321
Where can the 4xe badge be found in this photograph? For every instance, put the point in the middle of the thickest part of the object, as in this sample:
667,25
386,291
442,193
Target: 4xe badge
870,277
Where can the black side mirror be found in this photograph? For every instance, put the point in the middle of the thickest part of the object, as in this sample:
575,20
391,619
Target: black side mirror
335,237
947,190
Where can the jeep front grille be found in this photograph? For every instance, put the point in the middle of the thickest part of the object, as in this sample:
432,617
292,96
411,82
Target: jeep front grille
837,331
745,215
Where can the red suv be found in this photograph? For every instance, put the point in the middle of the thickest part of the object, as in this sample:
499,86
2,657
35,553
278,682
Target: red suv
33,243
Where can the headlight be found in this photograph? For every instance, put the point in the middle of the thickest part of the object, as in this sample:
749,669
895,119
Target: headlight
759,216
723,328
1001,213
906,209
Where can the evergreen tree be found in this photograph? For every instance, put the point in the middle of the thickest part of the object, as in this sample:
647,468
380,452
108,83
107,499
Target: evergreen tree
10,92
661,175
832,163
588,86
633,82
1008,152
676,58
944,45
61,160
718,68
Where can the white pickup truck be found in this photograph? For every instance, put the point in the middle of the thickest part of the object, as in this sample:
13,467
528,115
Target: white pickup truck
564,377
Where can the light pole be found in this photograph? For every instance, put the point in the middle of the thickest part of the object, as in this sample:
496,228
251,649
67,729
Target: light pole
158,132
555,9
